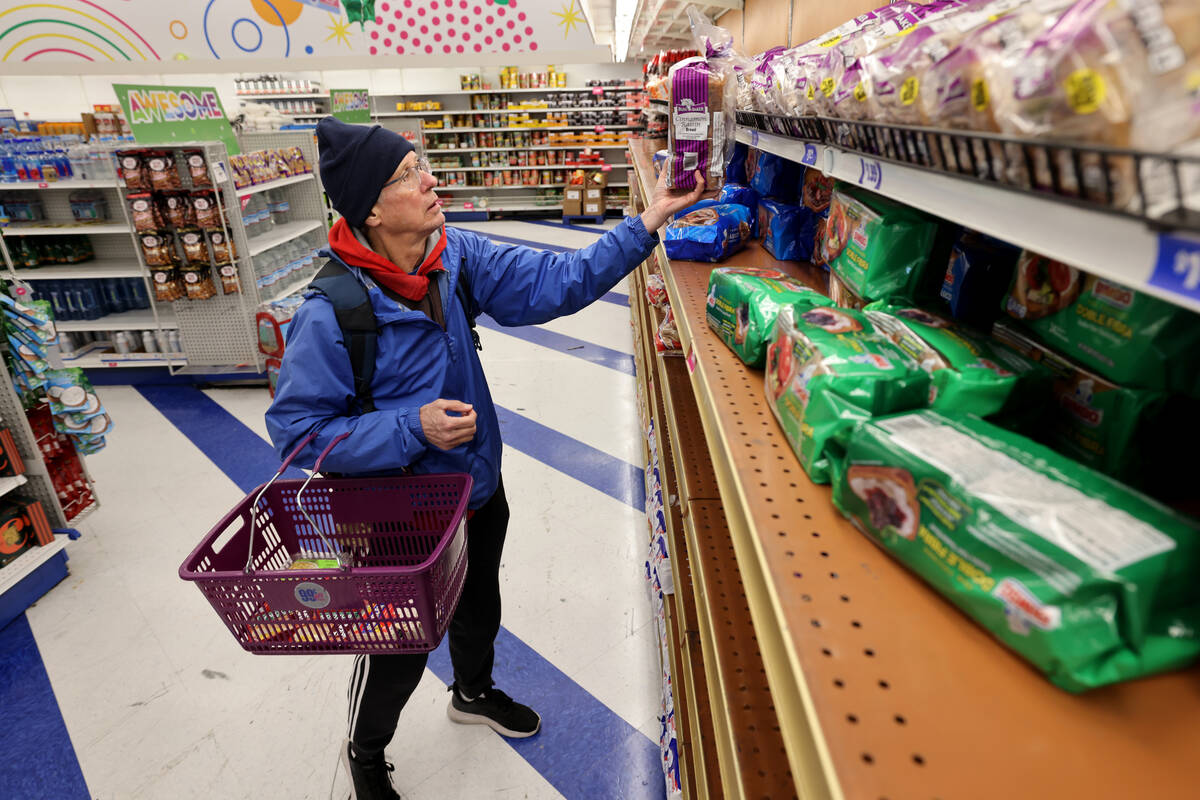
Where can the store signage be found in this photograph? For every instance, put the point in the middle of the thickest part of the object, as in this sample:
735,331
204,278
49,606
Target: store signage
350,105
1177,267
174,114
870,173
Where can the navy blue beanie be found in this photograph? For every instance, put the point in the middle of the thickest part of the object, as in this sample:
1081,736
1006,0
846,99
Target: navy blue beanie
356,161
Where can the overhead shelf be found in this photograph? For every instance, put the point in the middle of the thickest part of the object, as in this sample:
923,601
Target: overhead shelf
516,186
542,90
61,229
282,233
529,128
65,183
449,151
496,167
1117,248
122,360
881,687
275,184
138,319
460,111
284,96
100,268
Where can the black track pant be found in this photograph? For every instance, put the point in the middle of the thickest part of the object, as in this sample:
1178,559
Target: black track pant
380,685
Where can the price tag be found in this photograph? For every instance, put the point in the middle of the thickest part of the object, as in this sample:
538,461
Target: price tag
690,359
600,129
1177,267
596,90
469,206
110,363
870,173
43,185
218,171
754,138
19,290
810,155
606,168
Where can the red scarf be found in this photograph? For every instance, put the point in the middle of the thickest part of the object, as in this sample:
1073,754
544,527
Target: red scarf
411,287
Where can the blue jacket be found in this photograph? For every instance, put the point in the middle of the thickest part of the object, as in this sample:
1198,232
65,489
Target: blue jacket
417,362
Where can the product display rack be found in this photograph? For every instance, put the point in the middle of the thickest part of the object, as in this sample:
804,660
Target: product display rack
882,688
412,122
117,256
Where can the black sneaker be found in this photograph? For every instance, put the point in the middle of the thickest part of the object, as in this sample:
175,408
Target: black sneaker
496,710
371,779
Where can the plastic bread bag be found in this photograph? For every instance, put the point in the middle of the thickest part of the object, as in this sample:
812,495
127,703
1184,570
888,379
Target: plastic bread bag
656,292
1089,581
700,133
743,303
743,196
1114,73
709,234
968,372
666,338
765,80
879,248
977,276
1124,335
735,168
827,369
788,232
957,94
776,176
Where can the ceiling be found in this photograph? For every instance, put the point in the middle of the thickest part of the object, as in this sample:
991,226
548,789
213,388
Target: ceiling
653,25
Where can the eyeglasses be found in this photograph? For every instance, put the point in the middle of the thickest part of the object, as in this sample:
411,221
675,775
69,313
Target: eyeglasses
411,176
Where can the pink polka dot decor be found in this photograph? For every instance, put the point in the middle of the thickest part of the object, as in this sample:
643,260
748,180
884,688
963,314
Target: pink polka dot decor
451,26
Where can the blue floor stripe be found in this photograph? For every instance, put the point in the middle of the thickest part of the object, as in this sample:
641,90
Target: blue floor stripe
596,229
616,478
581,740
597,354
585,750
616,298
554,248
39,760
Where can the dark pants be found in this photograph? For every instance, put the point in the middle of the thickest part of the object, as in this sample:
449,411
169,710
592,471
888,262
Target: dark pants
380,685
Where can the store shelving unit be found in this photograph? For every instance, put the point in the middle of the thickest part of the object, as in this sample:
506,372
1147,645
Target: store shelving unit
881,688
431,138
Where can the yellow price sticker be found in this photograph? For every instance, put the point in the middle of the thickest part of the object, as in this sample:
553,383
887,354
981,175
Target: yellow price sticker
830,42
860,92
827,87
812,92
908,91
1193,82
979,94
1085,91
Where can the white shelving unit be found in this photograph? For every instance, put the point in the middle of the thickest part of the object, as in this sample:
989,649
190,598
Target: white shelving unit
542,90
25,564
521,167
284,96
276,184
62,229
456,150
529,128
66,183
138,319
515,186
555,110
281,234
1120,249
97,268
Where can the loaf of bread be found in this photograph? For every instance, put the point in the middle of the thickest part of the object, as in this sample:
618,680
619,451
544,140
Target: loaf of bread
700,129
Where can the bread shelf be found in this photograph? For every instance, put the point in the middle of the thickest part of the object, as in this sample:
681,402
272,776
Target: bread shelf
1118,248
602,128
449,151
463,112
881,687
542,90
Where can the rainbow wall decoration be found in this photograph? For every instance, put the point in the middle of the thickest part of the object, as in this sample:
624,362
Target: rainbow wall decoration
101,31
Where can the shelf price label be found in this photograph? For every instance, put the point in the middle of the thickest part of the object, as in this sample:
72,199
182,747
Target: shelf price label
810,155
754,138
690,359
596,90
1177,267
600,129
870,173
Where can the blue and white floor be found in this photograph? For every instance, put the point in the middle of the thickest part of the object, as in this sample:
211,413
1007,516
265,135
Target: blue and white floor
123,683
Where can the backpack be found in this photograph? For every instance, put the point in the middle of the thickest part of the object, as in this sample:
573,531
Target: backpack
352,307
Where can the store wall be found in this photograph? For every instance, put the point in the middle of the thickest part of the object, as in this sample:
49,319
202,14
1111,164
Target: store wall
763,24
64,97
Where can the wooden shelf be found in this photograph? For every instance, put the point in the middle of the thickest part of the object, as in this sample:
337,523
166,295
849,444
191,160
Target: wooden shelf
881,687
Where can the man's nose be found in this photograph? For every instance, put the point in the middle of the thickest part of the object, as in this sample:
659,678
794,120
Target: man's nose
430,180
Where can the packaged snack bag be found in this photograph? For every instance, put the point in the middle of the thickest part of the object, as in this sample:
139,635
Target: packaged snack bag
709,234
133,170
1128,337
1132,435
743,303
197,281
223,248
158,248
167,284
777,177
144,211
827,369
195,251
161,166
177,209
197,168
977,277
968,373
204,203
877,247
741,195
788,232
1089,581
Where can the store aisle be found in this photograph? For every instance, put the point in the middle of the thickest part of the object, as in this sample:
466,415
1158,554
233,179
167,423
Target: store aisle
158,700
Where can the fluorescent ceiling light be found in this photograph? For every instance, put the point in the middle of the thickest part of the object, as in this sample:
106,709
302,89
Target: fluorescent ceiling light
623,16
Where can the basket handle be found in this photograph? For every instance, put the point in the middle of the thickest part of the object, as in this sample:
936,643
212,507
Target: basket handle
343,562
287,462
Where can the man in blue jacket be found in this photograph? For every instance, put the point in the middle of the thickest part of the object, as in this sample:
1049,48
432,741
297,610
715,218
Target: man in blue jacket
429,408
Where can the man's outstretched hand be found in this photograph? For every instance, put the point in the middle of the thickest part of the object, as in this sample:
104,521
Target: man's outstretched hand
666,201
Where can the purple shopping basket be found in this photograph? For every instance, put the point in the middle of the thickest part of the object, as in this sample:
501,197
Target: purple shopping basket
401,543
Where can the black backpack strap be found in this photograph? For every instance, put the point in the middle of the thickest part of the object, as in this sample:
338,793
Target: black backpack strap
463,290
356,318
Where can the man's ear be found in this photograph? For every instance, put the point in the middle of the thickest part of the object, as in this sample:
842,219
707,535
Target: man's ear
373,219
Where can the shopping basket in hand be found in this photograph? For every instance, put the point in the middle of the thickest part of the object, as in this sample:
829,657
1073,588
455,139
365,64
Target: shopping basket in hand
400,542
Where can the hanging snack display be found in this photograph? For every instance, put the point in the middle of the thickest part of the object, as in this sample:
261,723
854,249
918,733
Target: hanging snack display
743,303
1088,580
828,368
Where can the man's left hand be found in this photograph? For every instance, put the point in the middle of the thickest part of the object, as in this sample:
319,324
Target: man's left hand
666,202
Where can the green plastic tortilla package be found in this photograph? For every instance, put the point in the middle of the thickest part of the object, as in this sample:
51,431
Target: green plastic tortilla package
1089,581
743,303
1128,337
968,372
1133,435
829,368
880,249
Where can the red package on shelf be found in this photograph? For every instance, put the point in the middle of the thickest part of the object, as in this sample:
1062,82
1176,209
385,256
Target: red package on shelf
11,463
